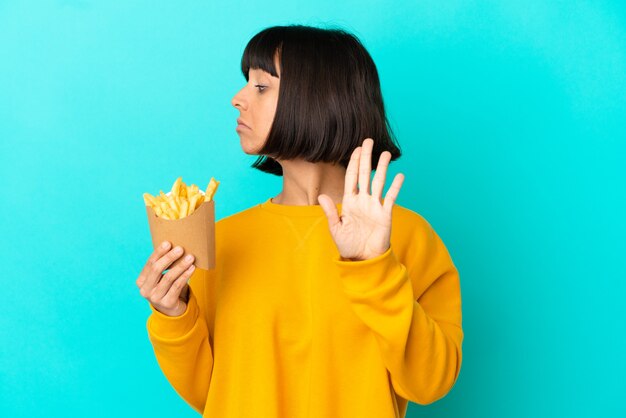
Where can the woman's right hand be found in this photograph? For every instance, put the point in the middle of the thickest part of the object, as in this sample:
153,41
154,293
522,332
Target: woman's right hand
164,291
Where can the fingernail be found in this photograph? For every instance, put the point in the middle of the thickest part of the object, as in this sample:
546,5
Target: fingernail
165,244
189,257
178,250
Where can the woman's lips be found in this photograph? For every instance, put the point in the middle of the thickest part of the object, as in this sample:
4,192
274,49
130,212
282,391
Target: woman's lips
240,124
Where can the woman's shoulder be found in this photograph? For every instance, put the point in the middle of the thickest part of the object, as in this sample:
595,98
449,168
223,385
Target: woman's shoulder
408,219
416,242
413,229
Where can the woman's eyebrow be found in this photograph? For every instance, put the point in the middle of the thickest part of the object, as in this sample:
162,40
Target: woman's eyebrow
267,78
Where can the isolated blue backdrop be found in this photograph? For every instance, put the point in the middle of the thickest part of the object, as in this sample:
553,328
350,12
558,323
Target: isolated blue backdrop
511,116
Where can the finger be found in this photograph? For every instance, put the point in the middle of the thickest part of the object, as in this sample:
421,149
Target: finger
156,254
175,290
156,269
171,276
365,165
184,294
393,191
329,209
381,173
352,173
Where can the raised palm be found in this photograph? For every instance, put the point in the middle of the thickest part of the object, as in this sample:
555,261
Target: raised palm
363,231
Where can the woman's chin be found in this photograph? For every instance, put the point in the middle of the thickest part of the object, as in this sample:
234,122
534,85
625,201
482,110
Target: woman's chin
245,147
249,151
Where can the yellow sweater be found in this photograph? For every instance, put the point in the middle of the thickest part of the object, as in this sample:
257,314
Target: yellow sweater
284,328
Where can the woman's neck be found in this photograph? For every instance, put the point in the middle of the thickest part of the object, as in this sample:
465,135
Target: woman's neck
303,182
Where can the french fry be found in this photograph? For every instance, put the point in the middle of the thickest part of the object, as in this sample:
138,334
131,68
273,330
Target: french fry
192,203
210,190
172,203
149,199
176,186
184,208
171,213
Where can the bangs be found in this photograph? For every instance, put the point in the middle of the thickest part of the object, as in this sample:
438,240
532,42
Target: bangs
260,52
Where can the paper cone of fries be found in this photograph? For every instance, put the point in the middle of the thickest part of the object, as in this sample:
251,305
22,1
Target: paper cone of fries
189,225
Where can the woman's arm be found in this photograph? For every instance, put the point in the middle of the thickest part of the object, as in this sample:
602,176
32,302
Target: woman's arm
181,345
420,338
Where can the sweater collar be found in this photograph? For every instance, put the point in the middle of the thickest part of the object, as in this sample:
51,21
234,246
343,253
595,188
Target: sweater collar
294,210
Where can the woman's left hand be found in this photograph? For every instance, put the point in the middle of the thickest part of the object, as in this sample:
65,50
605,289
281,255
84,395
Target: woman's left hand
364,229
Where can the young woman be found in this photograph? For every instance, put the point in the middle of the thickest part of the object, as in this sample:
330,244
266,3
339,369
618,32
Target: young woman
327,300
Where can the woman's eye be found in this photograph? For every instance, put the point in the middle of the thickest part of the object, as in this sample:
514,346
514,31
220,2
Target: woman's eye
261,88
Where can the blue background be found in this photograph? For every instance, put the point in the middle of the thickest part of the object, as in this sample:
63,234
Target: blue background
511,116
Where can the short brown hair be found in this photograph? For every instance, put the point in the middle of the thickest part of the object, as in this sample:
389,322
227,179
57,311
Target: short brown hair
329,100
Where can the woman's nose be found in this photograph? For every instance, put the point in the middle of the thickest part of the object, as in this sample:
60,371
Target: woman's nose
238,101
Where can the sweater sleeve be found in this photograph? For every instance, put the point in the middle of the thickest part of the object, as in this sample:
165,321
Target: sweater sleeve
182,349
420,339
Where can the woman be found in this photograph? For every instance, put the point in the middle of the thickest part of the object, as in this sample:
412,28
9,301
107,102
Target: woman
313,310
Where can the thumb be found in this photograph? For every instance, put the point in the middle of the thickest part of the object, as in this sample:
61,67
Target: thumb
329,209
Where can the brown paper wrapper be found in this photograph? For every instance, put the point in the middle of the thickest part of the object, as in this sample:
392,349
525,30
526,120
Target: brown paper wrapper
195,233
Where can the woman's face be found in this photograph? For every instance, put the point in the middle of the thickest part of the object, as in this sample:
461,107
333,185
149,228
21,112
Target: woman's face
256,103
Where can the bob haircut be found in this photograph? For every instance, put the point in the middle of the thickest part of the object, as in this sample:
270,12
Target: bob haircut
329,98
